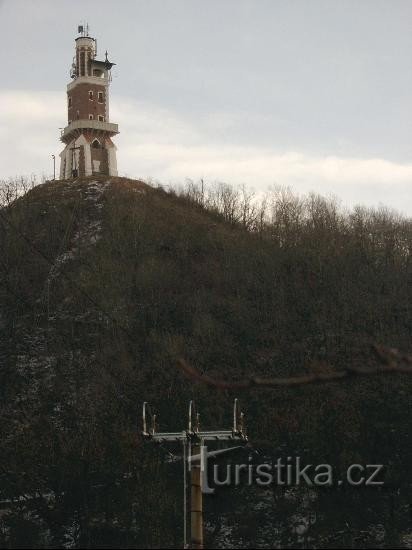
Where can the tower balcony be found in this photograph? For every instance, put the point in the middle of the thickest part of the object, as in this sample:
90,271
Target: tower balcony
77,127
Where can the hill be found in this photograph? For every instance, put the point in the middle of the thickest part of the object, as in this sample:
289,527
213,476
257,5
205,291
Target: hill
106,282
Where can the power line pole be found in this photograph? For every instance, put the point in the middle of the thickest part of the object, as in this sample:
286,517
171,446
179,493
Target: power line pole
196,502
193,440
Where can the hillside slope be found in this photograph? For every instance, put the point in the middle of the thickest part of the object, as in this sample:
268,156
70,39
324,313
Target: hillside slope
106,282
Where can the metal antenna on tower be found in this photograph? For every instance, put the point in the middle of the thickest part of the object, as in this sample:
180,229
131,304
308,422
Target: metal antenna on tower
193,439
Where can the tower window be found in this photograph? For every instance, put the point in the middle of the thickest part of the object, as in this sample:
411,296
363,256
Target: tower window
101,118
100,97
91,95
82,63
96,144
69,99
90,117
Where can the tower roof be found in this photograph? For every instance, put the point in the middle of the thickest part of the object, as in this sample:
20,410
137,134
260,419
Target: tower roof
83,37
102,64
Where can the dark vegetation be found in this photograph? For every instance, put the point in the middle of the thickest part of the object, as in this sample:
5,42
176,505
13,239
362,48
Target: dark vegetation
103,287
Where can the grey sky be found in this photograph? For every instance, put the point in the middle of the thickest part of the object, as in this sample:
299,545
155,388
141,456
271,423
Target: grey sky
312,94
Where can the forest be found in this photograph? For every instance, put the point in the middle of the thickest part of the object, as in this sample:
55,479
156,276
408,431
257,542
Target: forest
107,283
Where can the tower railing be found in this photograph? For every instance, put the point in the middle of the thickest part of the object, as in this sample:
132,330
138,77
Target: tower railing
80,124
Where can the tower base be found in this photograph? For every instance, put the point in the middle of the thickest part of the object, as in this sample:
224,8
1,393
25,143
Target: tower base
88,154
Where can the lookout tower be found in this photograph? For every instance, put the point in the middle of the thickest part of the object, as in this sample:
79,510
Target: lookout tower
88,135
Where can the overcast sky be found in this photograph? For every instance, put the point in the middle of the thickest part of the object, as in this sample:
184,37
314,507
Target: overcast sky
315,95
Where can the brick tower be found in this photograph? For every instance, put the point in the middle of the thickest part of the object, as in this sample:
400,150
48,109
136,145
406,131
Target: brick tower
88,135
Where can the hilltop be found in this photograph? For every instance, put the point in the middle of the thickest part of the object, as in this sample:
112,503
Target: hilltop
105,282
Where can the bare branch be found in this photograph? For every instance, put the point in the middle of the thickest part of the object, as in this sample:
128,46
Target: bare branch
391,361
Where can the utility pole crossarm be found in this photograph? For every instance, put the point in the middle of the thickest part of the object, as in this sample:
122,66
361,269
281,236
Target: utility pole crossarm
219,435
193,433
166,436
